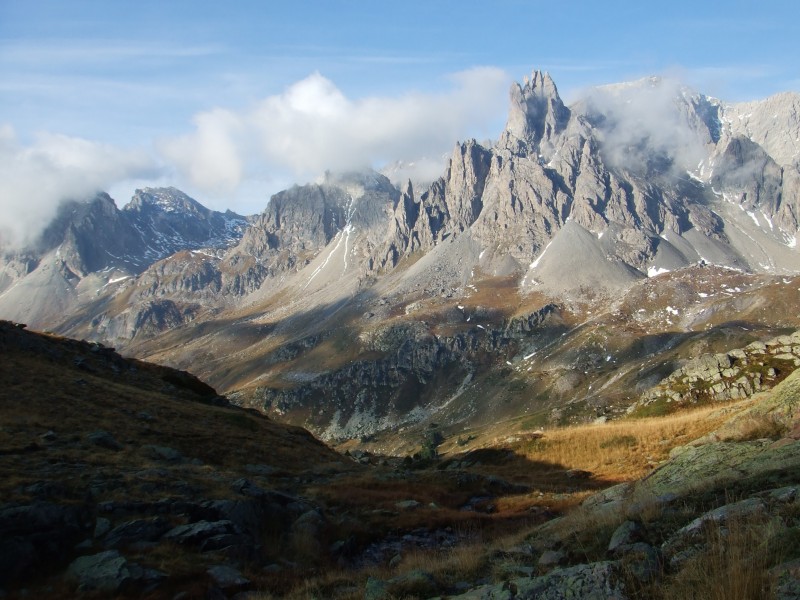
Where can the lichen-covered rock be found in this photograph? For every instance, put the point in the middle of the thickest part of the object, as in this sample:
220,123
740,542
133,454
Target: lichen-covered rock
136,532
729,376
719,462
626,534
688,539
107,572
227,578
595,581
640,561
787,580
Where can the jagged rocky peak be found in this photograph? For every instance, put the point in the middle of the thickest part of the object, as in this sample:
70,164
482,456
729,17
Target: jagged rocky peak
536,115
169,199
171,221
92,235
357,183
305,218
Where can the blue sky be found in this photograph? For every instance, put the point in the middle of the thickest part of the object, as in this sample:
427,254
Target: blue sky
234,100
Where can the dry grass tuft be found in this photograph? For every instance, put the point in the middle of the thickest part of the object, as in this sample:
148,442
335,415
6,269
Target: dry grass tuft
733,565
465,562
621,450
754,427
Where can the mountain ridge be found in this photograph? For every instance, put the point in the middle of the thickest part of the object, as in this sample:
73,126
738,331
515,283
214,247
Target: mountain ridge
571,207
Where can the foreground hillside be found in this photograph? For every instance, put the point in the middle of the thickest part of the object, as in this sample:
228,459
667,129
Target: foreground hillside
144,471
125,479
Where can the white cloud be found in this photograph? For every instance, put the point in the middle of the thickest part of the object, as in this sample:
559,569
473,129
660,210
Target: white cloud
35,179
210,157
233,158
313,126
645,117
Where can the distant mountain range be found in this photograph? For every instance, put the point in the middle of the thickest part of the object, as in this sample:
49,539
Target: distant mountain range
505,287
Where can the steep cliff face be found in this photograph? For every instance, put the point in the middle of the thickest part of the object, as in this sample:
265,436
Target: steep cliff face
300,222
537,117
417,374
90,236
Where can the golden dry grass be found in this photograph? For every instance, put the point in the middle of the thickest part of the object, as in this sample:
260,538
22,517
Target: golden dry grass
733,564
621,450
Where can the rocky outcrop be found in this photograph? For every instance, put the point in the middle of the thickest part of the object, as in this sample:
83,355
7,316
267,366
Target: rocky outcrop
418,369
731,375
596,581
713,508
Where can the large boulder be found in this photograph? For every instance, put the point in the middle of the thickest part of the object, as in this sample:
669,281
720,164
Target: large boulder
109,573
38,536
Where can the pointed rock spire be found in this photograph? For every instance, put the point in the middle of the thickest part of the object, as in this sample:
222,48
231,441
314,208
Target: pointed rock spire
536,115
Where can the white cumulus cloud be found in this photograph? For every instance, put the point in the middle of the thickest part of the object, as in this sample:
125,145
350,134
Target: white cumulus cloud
36,178
312,126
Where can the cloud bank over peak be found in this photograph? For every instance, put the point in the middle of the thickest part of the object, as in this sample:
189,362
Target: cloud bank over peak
648,116
36,178
312,126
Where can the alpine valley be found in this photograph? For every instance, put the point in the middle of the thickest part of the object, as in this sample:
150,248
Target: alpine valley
555,276
566,368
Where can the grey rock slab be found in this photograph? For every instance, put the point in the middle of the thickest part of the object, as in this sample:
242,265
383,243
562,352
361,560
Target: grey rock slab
641,561
164,453
719,462
595,581
102,526
687,541
783,495
722,514
227,577
106,572
197,533
551,558
626,534
136,531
